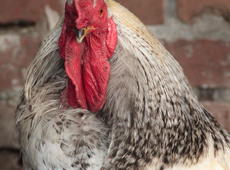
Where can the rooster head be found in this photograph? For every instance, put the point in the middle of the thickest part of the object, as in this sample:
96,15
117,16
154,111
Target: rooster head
87,42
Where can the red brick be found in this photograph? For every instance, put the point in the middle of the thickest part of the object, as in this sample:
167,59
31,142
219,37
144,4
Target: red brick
206,63
16,51
26,10
149,11
187,9
221,111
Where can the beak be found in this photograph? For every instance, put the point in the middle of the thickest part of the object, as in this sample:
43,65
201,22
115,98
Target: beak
82,33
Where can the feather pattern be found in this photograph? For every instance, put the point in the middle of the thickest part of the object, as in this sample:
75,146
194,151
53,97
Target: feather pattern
52,136
157,122
153,119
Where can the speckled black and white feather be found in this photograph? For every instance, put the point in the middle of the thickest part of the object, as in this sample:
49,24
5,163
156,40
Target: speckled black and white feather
157,123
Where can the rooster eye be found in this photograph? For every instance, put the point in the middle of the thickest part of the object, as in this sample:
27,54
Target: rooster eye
101,12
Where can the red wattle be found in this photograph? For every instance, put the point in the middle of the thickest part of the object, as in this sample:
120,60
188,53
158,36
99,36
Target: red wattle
87,64
96,73
73,55
96,70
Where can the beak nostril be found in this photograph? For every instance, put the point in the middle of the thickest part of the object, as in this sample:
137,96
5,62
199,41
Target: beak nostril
75,30
80,34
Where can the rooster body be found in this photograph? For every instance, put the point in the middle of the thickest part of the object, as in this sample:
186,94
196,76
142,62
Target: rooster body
153,119
52,136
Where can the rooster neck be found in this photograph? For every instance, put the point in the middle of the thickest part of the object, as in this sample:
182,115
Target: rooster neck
160,118
152,100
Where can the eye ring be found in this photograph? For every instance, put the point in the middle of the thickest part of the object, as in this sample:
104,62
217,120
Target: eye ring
101,12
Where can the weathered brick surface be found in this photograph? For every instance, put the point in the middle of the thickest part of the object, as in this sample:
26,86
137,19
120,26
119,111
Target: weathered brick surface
8,133
16,51
221,111
13,11
187,9
205,62
150,12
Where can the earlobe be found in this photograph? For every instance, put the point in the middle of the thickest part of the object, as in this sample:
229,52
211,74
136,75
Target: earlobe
112,36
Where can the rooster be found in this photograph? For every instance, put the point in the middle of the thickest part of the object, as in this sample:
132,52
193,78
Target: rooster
103,93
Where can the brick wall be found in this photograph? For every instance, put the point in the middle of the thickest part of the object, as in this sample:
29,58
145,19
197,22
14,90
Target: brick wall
196,32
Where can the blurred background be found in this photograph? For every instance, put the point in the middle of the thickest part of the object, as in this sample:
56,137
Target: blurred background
196,32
